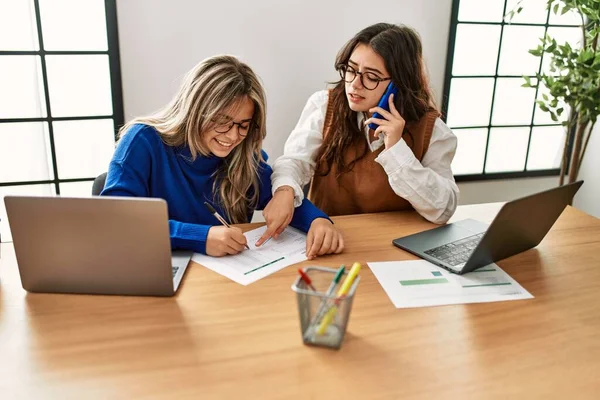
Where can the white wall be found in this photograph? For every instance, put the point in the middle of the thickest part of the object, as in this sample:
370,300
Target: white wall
503,190
292,46
588,197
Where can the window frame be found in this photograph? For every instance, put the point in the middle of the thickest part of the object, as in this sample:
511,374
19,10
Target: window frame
116,90
454,22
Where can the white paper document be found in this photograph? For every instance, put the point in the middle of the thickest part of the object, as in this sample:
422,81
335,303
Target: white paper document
251,265
420,283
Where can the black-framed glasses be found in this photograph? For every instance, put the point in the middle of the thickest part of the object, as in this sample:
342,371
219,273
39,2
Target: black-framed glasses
242,127
369,80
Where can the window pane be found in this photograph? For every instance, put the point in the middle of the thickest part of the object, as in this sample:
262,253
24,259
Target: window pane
570,18
74,24
25,152
470,101
476,49
83,148
21,87
507,149
481,11
545,149
514,55
470,151
543,117
79,85
562,35
28,190
513,104
18,30
76,189
534,11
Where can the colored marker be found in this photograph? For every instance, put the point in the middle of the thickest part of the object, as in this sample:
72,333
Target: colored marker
306,279
344,289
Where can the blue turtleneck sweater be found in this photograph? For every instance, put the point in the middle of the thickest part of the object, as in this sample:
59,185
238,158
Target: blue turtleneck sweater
143,166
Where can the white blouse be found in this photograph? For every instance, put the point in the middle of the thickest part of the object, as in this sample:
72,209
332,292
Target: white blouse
428,185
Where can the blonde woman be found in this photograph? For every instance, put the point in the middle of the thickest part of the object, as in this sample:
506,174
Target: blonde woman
206,146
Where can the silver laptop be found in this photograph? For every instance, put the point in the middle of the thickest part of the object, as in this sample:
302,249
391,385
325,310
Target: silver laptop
97,245
466,245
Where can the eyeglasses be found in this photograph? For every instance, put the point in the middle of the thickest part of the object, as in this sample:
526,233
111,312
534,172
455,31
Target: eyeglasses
224,127
369,80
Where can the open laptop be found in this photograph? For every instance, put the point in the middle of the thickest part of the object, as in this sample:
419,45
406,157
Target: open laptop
97,245
466,245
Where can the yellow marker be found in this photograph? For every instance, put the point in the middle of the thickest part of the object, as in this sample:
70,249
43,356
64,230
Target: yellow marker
327,320
344,289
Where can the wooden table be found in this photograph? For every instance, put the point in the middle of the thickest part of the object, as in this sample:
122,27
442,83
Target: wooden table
217,339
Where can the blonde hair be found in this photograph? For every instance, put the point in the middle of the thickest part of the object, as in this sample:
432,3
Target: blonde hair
214,85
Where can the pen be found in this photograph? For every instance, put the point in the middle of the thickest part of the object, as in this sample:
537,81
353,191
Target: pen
214,212
306,279
343,291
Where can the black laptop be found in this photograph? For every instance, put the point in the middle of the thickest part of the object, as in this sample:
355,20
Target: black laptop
466,245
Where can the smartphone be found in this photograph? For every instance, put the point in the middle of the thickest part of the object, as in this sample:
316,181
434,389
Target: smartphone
384,103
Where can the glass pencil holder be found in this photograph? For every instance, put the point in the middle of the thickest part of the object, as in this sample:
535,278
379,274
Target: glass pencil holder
323,317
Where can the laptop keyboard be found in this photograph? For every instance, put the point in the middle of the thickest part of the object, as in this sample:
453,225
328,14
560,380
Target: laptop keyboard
175,269
456,252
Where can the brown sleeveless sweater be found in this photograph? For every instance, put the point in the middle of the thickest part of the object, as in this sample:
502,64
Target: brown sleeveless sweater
366,189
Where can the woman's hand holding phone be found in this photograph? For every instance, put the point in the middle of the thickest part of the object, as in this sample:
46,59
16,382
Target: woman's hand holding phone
391,127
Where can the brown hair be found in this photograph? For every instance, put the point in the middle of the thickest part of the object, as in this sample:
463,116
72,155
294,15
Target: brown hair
401,50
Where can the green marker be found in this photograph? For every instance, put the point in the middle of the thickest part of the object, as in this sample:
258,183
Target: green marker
336,280
323,306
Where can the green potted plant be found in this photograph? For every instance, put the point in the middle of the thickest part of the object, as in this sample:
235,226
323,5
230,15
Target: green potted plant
573,79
